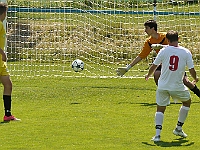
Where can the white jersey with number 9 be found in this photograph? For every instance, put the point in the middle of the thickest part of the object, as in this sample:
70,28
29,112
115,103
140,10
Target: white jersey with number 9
173,60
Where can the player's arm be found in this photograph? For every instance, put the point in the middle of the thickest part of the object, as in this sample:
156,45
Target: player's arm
144,53
194,75
155,64
4,58
122,70
151,71
158,46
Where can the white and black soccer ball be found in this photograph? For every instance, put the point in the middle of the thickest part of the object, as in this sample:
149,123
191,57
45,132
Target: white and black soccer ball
77,65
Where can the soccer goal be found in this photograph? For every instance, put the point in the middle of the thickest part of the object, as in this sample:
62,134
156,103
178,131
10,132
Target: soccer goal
45,36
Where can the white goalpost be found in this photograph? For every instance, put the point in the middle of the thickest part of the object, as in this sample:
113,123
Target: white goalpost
44,37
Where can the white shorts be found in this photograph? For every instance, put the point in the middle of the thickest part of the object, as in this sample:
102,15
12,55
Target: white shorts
163,96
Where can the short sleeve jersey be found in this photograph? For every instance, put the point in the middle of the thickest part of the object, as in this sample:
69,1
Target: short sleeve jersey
147,44
174,60
2,41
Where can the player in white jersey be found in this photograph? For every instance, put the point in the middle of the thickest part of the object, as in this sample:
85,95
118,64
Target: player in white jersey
174,59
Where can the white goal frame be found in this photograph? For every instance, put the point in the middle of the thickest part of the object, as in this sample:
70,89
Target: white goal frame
45,41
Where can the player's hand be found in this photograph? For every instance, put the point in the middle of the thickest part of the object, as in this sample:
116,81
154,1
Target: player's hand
157,46
146,77
121,71
195,81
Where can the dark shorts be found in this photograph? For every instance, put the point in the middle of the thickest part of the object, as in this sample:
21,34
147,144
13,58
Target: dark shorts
160,66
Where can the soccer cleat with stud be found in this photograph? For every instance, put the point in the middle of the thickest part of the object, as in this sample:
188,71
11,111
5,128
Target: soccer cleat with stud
179,133
156,138
10,118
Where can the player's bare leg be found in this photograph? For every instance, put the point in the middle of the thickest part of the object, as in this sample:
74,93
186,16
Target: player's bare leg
187,82
156,76
7,84
191,85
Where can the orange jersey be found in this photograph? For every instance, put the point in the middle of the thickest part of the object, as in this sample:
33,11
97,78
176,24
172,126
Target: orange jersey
147,45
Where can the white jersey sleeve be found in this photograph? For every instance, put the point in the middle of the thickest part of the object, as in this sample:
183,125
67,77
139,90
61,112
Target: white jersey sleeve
159,58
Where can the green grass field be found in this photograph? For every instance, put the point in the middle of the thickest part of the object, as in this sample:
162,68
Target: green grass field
92,113
80,113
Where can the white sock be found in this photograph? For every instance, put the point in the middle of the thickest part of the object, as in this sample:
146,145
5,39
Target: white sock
183,112
158,121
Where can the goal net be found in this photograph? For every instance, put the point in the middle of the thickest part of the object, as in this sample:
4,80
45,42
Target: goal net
45,36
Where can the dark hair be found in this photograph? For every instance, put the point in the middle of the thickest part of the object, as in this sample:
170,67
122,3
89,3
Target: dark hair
3,7
151,24
172,36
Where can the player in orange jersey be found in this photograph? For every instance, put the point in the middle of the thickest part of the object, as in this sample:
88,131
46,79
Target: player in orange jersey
155,37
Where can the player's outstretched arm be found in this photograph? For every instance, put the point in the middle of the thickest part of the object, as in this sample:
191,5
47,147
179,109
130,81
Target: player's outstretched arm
122,70
151,71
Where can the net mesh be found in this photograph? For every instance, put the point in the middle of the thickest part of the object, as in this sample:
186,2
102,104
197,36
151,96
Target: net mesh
45,36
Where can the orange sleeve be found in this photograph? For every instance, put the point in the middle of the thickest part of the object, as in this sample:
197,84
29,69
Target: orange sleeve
147,48
145,51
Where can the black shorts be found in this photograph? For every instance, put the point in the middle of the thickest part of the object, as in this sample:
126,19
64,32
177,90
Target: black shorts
160,66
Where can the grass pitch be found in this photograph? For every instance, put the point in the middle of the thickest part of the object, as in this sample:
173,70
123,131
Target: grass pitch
92,113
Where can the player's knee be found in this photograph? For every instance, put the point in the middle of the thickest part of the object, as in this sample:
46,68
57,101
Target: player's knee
161,109
185,81
187,103
8,86
189,84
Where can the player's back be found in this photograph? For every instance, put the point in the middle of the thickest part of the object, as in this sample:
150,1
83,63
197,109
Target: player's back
174,60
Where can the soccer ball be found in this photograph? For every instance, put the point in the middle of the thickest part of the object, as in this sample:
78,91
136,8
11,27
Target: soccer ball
77,65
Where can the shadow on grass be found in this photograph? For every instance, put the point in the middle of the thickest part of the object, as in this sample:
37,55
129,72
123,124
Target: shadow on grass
147,104
75,103
3,122
154,104
175,143
123,87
